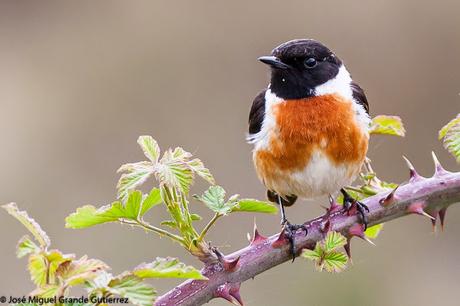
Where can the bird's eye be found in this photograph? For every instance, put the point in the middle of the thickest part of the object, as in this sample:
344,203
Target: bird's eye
310,62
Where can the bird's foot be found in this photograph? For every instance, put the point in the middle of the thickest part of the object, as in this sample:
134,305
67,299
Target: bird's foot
349,203
289,232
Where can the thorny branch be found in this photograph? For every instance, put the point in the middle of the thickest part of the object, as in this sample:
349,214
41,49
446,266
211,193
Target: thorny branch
428,197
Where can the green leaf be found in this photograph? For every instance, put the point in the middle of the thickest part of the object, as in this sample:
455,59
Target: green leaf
55,259
195,217
153,199
47,291
373,231
38,269
314,255
79,271
450,134
387,125
88,215
167,268
150,147
133,288
134,174
173,170
325,255
250,205
335,261
199,168
214,199
333,241
33,227
26,247
133,205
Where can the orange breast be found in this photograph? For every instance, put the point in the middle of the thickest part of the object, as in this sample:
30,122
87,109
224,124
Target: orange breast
325,122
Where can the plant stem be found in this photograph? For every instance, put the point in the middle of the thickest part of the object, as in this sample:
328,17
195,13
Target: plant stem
155,229
433,195
208,226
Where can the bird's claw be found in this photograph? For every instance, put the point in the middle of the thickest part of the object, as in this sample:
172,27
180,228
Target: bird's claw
290,231
349,203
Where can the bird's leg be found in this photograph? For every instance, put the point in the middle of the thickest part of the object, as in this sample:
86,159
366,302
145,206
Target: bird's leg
348,203
290,229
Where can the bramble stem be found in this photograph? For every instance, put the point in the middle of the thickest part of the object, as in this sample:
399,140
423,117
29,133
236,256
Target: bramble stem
431,195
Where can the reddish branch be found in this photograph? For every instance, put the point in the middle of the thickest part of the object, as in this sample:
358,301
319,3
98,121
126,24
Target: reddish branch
429,197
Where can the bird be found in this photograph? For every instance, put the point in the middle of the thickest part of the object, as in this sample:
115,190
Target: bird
309,129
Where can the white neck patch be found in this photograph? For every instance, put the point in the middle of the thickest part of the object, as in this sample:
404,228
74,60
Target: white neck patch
338,85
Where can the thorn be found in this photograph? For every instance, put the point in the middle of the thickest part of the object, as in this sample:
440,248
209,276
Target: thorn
389,199
417,208
333,206
438,169
347,248
229,265
223,291
235,292
442,216
256,237
280,241
434,214
358,231
414,176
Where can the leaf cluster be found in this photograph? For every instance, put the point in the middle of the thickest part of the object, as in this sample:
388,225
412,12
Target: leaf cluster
55,273
175,172
326,256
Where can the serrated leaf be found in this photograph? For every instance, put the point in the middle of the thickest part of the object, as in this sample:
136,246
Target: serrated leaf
214,199
313,255
47,291
79,271
199,168
373,231
26,247
133,205
134,174
150,147
55,259
153,199
335,261
387,125
173,170
133,288
38,269
333,241
251,205
167,268
33,227
450,135
89,215
325,254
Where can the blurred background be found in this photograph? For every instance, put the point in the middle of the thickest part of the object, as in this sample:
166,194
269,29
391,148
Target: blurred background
81,80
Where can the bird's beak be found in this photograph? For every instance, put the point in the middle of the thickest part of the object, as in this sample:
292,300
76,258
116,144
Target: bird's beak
274,62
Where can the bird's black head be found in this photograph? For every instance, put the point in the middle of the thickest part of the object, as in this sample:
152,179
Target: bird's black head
298,66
